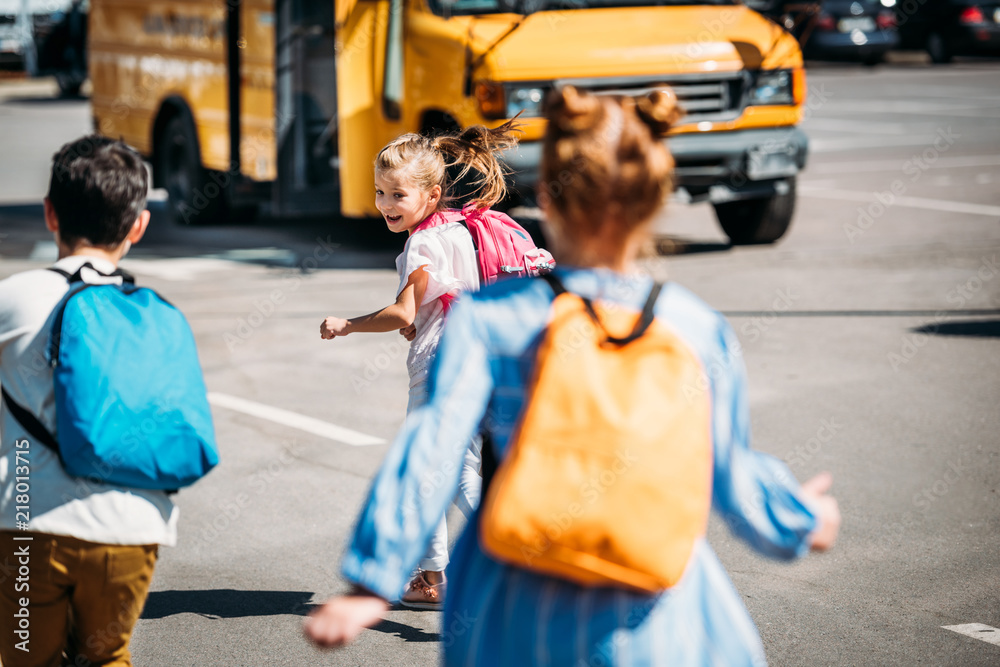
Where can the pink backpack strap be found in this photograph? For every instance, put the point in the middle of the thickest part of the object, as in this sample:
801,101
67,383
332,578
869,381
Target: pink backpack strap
439,218
435,220
446,301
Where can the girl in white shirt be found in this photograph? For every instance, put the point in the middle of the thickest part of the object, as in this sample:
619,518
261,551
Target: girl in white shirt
437,263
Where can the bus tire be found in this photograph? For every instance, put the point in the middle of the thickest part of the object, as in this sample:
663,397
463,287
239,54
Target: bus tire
756,221
70,83
938,48
193,198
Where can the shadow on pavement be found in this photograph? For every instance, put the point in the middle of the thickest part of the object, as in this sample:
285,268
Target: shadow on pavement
307,244
673,245
227,603
49,101
967,328
406,632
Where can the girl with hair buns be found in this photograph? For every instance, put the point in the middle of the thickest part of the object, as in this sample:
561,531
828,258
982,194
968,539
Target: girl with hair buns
437,263
608,174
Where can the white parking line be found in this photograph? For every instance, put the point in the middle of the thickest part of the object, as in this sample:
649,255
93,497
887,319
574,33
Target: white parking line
854,127
832,145
854,167
979,631
295,420
908,202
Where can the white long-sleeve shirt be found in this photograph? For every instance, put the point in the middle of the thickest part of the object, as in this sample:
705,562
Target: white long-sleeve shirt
57,503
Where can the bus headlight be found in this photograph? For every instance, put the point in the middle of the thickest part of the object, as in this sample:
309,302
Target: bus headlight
773,87
525,101
502,100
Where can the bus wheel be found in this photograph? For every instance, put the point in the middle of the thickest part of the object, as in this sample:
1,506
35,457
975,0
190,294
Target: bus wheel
193,197
70,83
938,49
752,221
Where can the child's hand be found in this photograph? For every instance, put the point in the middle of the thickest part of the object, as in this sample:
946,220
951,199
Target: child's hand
333,326
341,619
409,333
825,534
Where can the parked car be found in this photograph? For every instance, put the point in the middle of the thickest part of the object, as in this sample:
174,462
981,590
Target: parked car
11,36
45,38
62,50
858,30
945,28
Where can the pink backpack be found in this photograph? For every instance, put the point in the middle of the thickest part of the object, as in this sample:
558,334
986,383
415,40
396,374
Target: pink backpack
503,247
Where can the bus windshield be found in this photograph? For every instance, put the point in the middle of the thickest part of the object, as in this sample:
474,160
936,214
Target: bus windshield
473,7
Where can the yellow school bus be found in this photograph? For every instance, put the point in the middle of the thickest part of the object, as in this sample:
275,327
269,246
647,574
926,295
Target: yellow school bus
283,104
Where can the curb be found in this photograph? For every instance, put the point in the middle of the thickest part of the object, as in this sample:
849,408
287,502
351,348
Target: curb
46,86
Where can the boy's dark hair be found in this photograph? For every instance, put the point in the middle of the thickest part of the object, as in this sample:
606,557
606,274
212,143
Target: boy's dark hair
98,189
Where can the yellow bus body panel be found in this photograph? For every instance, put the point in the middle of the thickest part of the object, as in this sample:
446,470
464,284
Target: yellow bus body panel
142,53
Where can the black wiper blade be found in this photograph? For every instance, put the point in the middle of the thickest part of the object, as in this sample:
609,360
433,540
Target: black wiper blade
523,7
471,64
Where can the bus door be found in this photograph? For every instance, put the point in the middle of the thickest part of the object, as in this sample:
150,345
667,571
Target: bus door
306,109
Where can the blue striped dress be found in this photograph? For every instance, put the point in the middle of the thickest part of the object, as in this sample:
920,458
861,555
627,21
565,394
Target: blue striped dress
496,614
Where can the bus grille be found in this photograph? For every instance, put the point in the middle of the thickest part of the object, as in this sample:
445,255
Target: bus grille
704,97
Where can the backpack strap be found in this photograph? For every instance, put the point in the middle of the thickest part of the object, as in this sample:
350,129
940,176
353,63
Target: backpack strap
645,318
77,277
73,279
30,423
21,415
489,457
465,223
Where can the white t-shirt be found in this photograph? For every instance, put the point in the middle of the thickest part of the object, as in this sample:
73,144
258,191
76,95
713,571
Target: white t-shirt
60,504
449,258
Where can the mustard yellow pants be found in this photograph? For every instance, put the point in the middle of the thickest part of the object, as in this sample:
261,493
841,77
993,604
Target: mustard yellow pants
64,601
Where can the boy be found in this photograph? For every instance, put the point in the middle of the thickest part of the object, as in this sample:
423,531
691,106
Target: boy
74,578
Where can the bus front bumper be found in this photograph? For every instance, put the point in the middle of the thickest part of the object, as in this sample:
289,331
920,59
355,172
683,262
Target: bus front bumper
710,166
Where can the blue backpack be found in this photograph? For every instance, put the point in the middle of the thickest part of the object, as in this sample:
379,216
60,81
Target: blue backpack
131,404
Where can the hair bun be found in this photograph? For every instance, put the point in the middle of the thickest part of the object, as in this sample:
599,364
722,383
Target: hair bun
659,110
572,112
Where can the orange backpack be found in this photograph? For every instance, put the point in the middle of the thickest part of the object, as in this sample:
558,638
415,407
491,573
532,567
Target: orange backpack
607,479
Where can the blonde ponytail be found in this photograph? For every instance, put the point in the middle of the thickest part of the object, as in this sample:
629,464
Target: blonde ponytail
426,160
476,148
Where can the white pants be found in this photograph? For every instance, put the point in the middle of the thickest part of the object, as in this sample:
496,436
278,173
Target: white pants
470,486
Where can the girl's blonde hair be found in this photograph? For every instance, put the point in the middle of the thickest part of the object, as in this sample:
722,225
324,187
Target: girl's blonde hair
425,160
604,161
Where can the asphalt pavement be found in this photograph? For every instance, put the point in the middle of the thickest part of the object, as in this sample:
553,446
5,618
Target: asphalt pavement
871,334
